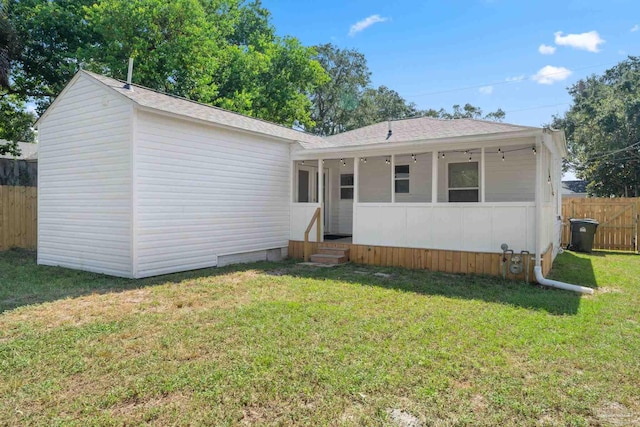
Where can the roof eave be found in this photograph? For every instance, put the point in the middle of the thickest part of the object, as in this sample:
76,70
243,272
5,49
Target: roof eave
210,123
437,143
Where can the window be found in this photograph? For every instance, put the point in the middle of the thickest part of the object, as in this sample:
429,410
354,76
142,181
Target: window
303,186
346,186
402,179
463,182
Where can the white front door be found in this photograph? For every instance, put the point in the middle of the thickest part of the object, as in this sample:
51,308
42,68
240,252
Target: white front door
307,190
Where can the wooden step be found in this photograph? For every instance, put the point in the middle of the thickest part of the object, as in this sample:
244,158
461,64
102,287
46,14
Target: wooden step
333,251
328,258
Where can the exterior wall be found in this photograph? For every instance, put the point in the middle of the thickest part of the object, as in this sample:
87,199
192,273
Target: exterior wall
84,194
203,193
459,226
550,181
512,180
277,254
375,179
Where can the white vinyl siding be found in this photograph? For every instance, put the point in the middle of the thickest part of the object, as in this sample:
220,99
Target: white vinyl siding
84,181
375,179
511,180
204,192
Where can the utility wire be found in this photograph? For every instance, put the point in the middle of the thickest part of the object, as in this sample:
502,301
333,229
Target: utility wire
598,156
502,82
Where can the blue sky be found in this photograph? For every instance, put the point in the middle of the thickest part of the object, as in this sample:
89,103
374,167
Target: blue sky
486,52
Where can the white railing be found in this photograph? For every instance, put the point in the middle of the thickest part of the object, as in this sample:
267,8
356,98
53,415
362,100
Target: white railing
449,226
301,214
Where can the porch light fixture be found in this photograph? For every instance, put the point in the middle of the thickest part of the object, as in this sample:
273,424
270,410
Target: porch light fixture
387,160
549,178
303,162
469,156
534,150
443,155
415,160
503,157
499,151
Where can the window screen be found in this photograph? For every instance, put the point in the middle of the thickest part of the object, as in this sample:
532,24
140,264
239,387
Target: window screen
402,179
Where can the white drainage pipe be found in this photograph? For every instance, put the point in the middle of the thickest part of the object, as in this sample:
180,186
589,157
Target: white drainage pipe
561,285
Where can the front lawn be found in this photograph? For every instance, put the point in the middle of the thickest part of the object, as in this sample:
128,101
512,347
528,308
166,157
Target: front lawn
280,343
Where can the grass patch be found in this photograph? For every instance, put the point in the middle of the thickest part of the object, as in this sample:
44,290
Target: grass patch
279,343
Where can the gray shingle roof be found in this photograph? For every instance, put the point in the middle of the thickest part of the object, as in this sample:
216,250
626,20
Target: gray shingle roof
176,105
28,151
406,130
420,128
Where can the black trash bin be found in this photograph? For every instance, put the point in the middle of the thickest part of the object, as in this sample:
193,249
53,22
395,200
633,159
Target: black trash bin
583,232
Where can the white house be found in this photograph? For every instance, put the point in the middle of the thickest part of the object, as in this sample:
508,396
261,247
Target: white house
136,183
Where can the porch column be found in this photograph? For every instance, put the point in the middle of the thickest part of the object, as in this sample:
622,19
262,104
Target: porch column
434,177
356,172
321,198
393,178
538,216
356,198
482,175
292,183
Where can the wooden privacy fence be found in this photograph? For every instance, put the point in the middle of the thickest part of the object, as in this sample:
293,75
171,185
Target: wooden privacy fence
18,217
618,218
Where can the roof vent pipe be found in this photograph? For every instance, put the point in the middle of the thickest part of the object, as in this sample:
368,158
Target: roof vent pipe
129,75
390,131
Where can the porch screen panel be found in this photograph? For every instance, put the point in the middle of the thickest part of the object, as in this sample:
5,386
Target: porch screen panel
463,182
303,186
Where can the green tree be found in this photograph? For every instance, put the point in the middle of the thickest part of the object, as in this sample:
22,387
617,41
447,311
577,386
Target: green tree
334,102
603,130
173,44
9,47
221,52
15,122
467,111
380,104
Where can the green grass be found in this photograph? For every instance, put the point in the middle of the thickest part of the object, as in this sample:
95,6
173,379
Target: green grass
282,344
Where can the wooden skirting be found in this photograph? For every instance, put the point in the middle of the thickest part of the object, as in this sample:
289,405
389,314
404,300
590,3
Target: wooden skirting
547,255
426,259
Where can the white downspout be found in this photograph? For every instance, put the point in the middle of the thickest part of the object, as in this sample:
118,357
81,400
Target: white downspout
561,285
538,266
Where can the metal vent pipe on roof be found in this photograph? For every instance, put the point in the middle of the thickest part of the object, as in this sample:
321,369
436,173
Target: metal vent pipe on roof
129,75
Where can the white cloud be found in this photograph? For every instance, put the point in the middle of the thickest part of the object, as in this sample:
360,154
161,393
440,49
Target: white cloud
586,41
486,90
515,78
365,23
546,50
549,74
635,28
